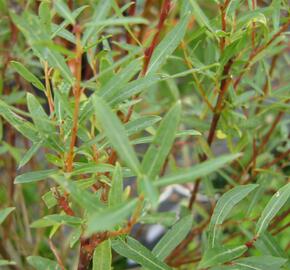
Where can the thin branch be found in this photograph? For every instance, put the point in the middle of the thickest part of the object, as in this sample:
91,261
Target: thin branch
77,94
57,256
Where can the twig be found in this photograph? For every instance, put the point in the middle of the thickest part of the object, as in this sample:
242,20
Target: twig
55,252
77,94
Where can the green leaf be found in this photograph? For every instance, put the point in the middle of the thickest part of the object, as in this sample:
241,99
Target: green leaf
150,191
34,176
40,263
38,115
27,75
108,218
199,170
102,258
6,262
29,154
224,206
199,15
101,12
56,60
82,197
272,208
44,15
173,237
5,212
133,250
63,10
159,149
119,21
219,255
168,45
260,263
116,191
116,134
56,219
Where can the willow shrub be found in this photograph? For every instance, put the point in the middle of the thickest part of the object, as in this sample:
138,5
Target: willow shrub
107,106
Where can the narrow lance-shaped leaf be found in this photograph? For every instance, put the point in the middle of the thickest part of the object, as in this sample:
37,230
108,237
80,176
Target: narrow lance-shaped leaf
102,258
34,176
150,191
219,255
6,262
172,238
116,191
4,213
27,75
108,218
168,45
40,263
224,206
116,134
272,208
38,115
199,170
29,154
260,263
63,10
133,250
162,143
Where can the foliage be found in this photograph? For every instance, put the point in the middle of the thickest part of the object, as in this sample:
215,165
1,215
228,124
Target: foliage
113,110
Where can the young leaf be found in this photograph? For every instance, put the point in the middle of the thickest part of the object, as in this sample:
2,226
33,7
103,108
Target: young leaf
224,206
116,134
108,218
162,143
199,170
260,263
40,263
272,208
173,237
168,45
133,250
219,255
27,75
4,213
116,191
34,176
102,258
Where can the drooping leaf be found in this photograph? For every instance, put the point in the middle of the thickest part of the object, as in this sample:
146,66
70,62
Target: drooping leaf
224,206
108,218
219,255
133,250
116,134
27,75
5,212
159,149
199,170
102,258
172,238
272,208
34,176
